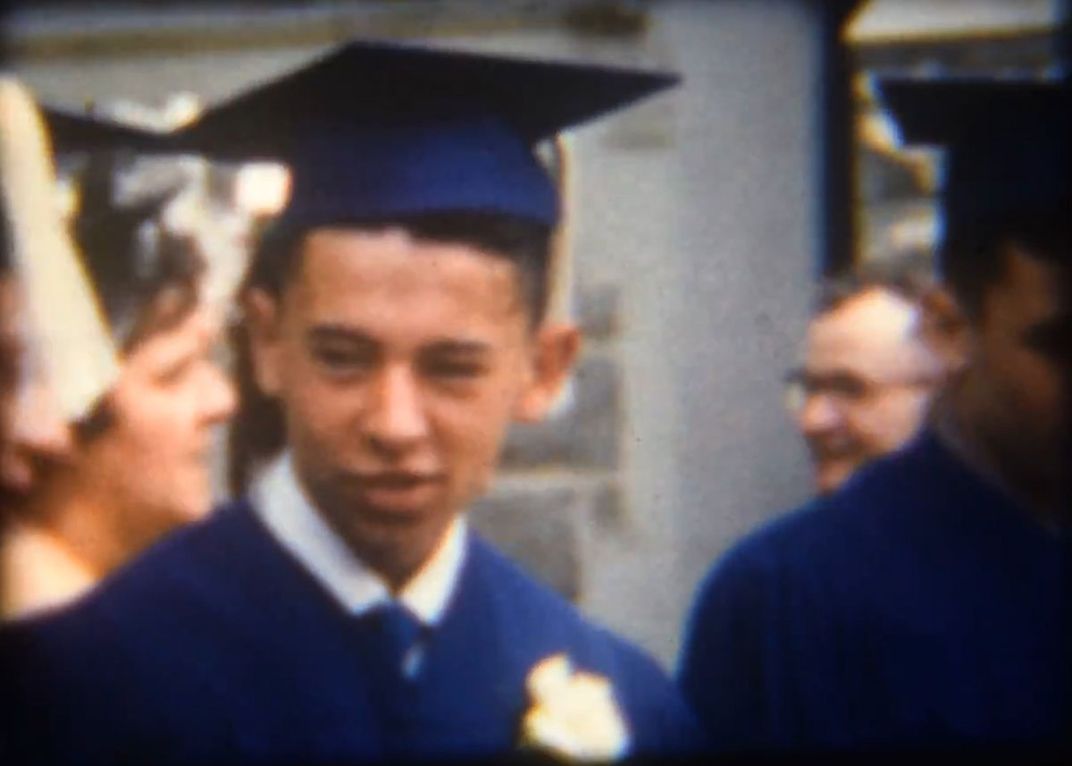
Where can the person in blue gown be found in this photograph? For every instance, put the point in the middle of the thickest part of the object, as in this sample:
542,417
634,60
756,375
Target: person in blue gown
343,611
926,604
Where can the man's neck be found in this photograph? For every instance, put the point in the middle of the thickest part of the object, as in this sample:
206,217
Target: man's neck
952,422
359,559
396,552
398,559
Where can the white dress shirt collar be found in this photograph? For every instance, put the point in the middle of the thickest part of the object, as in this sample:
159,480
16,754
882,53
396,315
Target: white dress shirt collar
281,504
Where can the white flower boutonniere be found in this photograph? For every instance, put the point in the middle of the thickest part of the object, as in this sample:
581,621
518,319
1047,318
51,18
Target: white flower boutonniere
573,714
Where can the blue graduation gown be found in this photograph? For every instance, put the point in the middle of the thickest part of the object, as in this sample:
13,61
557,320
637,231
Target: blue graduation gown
917,607
217,646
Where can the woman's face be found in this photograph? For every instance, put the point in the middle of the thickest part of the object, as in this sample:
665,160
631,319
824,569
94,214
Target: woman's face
149,466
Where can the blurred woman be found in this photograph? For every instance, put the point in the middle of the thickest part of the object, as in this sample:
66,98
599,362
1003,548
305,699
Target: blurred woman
137,466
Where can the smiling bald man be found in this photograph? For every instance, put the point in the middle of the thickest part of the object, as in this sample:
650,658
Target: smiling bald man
868,374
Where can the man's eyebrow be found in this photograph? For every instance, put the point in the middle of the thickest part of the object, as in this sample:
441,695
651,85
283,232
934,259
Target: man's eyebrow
334,332
1054,322
1057,329
328,332
455,346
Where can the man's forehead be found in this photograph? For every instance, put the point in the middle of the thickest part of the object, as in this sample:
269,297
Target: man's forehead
335,251
871,331
876,313
387,280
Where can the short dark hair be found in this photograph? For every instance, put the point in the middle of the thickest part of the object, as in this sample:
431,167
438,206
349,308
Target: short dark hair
908,276
522,242
973,257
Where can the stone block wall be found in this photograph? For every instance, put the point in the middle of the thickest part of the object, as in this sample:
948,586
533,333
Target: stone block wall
560,478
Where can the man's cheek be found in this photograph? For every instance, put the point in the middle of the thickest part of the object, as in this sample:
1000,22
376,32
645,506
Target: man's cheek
1037,385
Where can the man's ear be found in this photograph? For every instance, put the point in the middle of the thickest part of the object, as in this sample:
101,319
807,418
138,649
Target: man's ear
263,319
556,349
946,330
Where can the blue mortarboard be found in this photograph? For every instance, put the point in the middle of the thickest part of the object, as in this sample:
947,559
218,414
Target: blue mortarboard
378,130
84,133
1008,143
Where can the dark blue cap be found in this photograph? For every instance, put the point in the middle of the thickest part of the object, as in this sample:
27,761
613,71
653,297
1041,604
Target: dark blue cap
72,132
381,130
1009,144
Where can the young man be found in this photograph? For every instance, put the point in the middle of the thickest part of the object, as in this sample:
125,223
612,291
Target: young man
344,611
926,603
868,374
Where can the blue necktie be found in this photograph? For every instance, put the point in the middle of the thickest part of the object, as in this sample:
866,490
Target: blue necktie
394,632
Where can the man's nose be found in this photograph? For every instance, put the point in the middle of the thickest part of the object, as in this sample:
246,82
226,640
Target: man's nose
818,414
396,417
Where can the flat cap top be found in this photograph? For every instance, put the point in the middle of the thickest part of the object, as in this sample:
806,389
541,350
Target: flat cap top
377,129
1008,143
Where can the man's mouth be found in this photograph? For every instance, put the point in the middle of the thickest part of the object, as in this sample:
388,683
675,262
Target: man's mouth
825,452
396,491
395,479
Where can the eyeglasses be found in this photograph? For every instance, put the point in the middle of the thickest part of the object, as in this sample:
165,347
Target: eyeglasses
842,388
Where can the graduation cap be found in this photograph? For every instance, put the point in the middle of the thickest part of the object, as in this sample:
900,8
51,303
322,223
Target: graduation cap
73,132
380,130
1008,144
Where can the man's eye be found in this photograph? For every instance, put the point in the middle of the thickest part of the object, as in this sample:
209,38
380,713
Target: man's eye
846,387
453,369
342,359
1052,340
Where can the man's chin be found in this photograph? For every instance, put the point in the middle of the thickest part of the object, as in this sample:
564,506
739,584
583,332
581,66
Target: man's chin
383,522
395,545
831,476
399,504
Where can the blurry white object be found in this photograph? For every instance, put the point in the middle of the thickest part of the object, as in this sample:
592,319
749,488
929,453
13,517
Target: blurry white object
180,109
197,208
66,326
262,188
574,714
